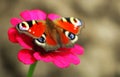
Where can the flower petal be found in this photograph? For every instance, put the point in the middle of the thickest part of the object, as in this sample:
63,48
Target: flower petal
12,34
60,61
62,57
53,16
52,57
25,41
77,49
37,55
72,58
26,56
33,15
69,56
15,21
45,58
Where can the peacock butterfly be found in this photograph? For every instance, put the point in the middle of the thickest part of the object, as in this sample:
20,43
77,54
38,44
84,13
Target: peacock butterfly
52,34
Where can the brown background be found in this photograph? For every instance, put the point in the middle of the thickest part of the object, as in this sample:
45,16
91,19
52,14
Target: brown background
100,38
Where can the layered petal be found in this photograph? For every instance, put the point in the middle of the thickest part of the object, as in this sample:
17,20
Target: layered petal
60,61
26,56
15,21
22,39
12,34
25,41
77,49
45,58
62,57
33,15
53,16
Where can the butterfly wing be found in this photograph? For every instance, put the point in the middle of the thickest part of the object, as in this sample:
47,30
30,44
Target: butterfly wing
41,32
32,28
70,28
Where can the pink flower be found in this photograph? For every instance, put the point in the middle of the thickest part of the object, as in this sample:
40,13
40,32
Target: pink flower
30,53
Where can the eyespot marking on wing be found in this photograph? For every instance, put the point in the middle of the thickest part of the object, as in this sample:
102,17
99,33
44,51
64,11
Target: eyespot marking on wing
76,22
25,25
71,36
63,19
41,41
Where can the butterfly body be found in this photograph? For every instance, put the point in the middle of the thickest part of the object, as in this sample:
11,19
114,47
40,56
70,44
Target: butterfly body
52,35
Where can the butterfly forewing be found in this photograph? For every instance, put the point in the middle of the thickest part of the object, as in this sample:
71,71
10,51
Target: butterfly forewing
32,28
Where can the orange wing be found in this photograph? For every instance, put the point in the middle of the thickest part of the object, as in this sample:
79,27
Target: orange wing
71,27
32,28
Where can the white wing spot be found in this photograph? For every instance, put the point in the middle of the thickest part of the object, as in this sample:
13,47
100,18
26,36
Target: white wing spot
29,30
33,32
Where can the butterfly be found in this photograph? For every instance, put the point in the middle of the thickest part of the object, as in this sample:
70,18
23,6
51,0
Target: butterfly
52,34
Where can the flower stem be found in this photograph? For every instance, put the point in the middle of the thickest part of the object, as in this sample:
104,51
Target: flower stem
31,70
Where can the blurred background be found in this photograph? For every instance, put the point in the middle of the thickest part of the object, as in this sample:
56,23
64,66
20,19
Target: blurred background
100,38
